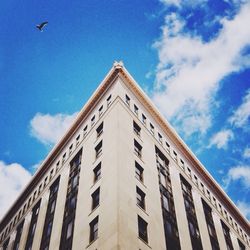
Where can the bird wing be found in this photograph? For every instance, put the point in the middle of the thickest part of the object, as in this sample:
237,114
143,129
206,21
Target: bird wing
43,24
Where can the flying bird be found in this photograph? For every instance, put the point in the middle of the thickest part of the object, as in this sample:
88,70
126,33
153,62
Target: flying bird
42,25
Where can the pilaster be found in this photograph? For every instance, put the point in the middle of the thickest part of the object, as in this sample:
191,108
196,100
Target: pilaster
219,231
25,230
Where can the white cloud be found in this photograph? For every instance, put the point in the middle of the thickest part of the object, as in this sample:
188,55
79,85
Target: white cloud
50,128
189,69
221,139
13,178
241,115
238,173
244,207
183,3
246,153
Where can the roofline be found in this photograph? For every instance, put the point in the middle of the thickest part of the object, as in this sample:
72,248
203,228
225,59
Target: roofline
119,69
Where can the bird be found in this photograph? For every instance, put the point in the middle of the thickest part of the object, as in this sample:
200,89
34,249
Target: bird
42,25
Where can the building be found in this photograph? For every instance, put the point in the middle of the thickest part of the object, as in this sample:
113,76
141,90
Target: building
121,178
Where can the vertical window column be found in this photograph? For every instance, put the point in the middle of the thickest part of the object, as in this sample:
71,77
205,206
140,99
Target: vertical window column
191,215
47,229
18,236
210,226
32,227
226,232
167,202
70,204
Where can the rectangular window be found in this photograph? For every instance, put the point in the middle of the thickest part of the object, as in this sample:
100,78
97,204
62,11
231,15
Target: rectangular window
100,111
97,172
175,155
78,140
95,198
6,243
69,230
140,197
127,100
144,119
165,202
93,121
152,129
136,109
99,130
137,128
85,131
109,101
168,146
142,229
137,149
93,225
98,150
138,172
160,137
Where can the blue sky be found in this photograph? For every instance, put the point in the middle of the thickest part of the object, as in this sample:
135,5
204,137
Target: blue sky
191,57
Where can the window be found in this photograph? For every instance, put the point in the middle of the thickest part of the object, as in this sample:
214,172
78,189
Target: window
100,111
226,232
160,137
144,119
93,121
140,197
175,155
136,109
137,148
168,146
137,128
97,172
99,130
98,150
64,158
109,100
142,229
138,172
85,130
152,129
57,168
69,230
95,198
6,243
93,229
77,140
165,202
127,100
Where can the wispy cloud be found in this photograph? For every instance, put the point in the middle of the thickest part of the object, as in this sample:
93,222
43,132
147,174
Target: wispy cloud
241,115
244,207
221,139
13,178
238,173
48,129
246,153
190,70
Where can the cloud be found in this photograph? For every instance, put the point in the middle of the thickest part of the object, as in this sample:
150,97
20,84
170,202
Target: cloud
183,3
50,128
246,153
13,178
241,115
221,139
190,70
238,173
244,207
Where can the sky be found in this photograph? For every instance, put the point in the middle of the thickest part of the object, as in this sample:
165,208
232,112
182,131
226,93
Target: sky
192,57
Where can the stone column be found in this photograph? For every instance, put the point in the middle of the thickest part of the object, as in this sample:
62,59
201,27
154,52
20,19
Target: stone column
40,220
25,231
205,239
219,231
180,211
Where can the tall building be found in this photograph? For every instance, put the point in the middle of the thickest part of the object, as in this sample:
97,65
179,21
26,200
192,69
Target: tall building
121,178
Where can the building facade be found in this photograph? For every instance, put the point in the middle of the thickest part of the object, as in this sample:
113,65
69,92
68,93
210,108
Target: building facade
121,178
